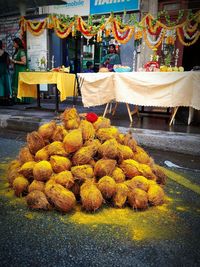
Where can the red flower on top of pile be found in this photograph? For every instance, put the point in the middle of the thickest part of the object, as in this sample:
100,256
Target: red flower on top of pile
91,117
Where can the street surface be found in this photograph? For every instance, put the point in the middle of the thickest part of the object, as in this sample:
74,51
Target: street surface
168,235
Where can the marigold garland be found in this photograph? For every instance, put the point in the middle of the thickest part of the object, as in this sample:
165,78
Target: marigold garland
181,38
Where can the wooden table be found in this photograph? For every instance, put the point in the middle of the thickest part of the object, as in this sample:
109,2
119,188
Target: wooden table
28,85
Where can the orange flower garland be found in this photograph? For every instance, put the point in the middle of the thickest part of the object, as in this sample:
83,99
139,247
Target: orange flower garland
36,27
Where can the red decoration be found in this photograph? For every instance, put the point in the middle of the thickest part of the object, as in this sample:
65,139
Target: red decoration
91,117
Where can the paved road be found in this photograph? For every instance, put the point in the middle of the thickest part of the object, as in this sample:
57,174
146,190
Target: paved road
163,236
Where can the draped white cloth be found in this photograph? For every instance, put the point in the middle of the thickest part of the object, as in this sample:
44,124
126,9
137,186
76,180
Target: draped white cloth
163,89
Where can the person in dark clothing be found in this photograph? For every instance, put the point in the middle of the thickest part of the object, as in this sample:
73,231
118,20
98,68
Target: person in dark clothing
90,67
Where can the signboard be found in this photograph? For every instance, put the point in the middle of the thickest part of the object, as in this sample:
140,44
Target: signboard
71,8
107,6
37,50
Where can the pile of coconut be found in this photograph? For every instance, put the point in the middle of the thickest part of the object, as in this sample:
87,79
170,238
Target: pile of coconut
84,160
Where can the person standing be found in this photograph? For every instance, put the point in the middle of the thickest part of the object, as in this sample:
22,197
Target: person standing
5,81
20,65
111,59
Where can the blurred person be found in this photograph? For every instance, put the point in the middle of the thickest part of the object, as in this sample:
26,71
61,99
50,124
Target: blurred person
111,59
20,65
5,81
90,67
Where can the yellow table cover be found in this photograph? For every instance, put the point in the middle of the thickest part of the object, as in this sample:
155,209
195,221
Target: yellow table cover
27,85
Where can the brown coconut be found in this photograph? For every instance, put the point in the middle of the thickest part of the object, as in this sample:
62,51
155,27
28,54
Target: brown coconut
42,154
94,144
91,197
104,134
35,142
82,156
63,199
37,200
109,149
138,199
25,155
104,167
124,152
82,172
107,186
160,175
42,171
130,168
121,194
59,133
101,122
71,124
60,163
20,185
73,141
88,130
56,148
76,189
36,185
47,130
65,178
118,175
146,171
140,182
155,195
27,169
141,156
70,114
13,171
129,141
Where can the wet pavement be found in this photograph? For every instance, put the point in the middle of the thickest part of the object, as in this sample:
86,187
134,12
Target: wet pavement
166,235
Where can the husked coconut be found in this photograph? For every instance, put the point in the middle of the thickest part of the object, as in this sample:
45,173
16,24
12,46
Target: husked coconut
25,155
107,186
121,194
130,168
35,142
82,156
155,195
104,134
42,154
36,185
73,141
141,156
59,133
27,169
56,148
37,200
42,171
138,199
82,172
20,185
109,149
101,122
60,163
88,130
46,130
65,178
140,182
118,175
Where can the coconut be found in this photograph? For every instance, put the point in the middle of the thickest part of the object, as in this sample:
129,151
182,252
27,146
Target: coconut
82,172
27,169
101,122
76,189
73,141
82,156
13,171
118,175
141,156
42,154
25,155
59,133
130,168
71,124
36,185
47,130
138,199
88,130
121,194
20,185
91,197
42,171
94,144
160,175
155,195
128,140
35,142
62,198
56,148
104,167
60,163
65,178
124,152
14,164
104,134
107,186
70,114
109,149
37,200
146,171
140,182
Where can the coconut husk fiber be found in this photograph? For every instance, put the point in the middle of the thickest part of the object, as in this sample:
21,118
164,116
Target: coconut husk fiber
25,155
124,152
36,185
42,154
60,163
130,168
118,175
155,195
160,175
88,131
140,182
64,178
104,134
109,149
129,141
141,156
42,171
104,167
56,148
27,169
73,141
82,156
82,172
13,171
47,130
35,142
59,133
138,199
121,194
101,122
20,185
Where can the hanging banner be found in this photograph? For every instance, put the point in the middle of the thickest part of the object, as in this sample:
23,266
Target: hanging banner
71,8
107,6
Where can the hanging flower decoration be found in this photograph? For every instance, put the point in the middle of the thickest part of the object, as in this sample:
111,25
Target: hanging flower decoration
152,30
